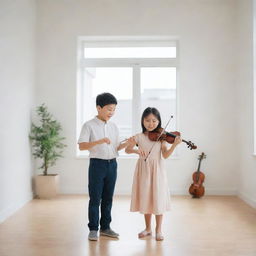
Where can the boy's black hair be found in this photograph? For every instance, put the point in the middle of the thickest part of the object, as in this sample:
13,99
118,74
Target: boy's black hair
105,98
147,112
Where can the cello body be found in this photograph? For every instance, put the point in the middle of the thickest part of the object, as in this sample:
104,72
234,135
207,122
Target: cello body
196,189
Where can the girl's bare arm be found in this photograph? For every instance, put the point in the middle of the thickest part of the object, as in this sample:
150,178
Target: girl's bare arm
167,152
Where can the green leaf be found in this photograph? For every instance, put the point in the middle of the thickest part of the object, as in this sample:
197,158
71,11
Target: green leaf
45,138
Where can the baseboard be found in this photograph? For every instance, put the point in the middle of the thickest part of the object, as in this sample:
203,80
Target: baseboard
210,191
12,208
248,199
73,190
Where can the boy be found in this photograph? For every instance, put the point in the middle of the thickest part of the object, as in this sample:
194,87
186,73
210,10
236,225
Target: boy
101,138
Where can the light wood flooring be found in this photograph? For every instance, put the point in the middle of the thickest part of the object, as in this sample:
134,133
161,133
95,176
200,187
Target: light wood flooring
210,226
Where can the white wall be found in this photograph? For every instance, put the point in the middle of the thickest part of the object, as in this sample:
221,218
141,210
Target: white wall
247,161
208,101
17,45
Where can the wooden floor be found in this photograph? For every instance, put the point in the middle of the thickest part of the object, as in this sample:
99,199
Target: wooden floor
213,225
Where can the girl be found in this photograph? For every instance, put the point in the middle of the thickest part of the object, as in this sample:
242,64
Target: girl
150,192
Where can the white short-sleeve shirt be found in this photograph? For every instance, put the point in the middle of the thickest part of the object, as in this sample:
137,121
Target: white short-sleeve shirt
96,129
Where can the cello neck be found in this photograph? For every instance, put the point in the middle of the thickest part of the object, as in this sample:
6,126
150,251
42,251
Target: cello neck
201,157
199,165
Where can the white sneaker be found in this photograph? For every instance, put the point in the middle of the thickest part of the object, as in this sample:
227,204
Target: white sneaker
93,235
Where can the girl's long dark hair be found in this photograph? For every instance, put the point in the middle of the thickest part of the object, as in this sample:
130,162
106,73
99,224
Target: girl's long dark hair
147,112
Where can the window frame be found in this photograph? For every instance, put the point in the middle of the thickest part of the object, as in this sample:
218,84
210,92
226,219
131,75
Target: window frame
134,63
254,78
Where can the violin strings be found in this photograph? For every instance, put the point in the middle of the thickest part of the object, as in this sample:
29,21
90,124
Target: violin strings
159,137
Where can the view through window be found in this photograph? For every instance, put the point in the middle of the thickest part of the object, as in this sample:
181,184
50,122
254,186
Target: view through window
138,77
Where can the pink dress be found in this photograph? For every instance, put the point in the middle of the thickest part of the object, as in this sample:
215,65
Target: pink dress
150,192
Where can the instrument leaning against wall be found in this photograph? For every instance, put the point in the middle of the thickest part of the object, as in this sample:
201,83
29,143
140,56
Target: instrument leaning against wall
196,188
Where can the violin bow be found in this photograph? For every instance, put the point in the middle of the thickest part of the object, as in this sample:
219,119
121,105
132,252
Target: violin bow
159,137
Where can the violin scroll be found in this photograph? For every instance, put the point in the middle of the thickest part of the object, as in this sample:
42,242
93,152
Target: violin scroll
190,145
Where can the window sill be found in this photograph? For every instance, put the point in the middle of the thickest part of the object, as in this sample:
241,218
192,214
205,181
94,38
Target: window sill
125,157
119,157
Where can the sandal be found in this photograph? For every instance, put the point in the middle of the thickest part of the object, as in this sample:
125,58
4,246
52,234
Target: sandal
159,237
144,234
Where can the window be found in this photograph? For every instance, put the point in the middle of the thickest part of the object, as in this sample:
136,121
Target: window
130,52
139,72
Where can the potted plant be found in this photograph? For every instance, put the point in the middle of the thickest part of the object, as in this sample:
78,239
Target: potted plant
48,147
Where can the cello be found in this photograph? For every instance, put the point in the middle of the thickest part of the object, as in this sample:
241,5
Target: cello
196,188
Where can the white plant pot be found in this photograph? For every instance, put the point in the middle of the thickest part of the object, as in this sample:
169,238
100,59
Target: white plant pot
47,186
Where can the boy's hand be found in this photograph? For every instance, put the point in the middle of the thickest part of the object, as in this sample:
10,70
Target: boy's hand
104,140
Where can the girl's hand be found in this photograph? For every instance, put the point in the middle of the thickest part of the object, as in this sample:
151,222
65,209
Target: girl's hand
142,153
177,140
130,145
131,141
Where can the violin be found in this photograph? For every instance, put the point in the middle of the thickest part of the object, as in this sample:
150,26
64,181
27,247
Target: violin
196,188
159,135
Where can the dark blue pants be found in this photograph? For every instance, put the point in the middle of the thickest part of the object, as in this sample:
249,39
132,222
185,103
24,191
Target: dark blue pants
102,179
